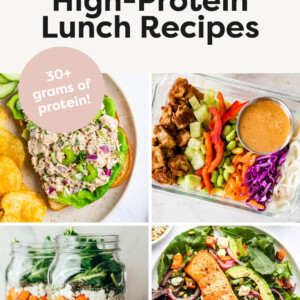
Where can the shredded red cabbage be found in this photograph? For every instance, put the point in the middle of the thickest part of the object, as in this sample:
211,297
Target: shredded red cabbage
104,148
262,176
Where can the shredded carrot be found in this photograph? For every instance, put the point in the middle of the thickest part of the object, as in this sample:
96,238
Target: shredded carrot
235,188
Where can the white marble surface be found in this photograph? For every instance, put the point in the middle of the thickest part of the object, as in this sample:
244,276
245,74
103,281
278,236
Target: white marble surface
170,208
133,244
288,236
133,206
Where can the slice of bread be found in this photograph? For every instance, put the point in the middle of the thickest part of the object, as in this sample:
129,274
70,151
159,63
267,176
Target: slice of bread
122,176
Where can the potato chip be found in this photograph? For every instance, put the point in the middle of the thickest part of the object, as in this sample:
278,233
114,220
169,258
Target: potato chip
23,207
10,176
2,117
25,188
12,147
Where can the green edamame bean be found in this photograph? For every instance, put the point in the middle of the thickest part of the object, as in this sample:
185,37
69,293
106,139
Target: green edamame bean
227,129
232,121
231,136
231,145
240,145
220,180
238,150
227,153
230,169
226,175
221,170
214,176
226,162
221,162
234,126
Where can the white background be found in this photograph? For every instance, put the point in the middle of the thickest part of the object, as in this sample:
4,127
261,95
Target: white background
133,244
275,50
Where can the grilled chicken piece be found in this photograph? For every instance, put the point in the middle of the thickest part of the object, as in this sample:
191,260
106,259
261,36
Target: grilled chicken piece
183,138
166,117
192,91
169,153
164,176
155,142
212,281
179,88
164,137
158,158
183,117
179,165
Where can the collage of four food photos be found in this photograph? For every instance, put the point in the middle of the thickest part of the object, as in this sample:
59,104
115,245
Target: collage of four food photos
84,218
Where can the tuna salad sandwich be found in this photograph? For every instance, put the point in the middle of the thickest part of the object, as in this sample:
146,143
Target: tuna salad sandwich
79,167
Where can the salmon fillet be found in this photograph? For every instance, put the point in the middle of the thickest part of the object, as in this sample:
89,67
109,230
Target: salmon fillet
212,281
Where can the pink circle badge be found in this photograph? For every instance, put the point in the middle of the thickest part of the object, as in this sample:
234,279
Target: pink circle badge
61,89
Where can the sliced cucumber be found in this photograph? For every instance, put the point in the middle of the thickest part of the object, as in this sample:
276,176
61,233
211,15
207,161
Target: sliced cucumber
202,114
180,181
195,129
209,95
191,182
3,80
7,88
198,160
189,153
195,103
194,143
11,76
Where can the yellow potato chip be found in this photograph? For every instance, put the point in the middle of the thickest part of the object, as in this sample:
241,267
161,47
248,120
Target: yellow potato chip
23,207
10,176
2,117
25,188
12,147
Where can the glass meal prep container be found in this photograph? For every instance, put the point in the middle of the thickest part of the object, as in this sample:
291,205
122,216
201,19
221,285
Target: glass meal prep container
87,267
232,90
26,275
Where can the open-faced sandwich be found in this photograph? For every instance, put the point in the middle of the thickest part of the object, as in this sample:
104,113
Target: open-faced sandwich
226,264
79,167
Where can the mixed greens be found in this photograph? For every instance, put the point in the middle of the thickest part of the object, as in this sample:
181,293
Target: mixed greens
99,269
248,258
37,263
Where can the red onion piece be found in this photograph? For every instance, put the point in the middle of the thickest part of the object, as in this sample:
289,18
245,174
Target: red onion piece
104,148
61,168
51,190
65,181
167,276
157,294
193,297
92,157
233,257
225,266
107,172
279,294
255,294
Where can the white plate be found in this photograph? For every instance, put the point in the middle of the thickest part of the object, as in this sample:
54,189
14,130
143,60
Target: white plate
162,237
278,246
98,210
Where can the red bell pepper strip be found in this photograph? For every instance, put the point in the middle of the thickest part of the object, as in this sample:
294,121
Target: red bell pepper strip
208,160
218,145
217,124
200,174
221,103
232,111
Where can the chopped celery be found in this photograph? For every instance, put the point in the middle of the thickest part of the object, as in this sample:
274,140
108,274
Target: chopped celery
198,160
195,129
189,153
194,143
194,103
202,114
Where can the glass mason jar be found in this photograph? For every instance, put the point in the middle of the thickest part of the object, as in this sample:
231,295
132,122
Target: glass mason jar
87,267
26,275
